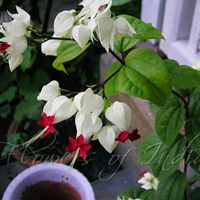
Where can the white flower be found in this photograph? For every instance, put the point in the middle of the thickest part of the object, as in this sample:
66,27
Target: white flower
106,137
149,181
22,16
106,32
81,34
122,27
61,107
49,48
86,126
49,92
15,33
92,7
63,24
120,115
88,102
196,65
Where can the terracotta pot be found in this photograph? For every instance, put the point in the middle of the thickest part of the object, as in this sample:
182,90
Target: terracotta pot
28,160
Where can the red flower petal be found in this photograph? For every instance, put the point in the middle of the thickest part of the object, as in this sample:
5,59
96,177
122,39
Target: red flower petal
80,140
73,146
4,46
123,136
143,173
83,150
78,143
134,135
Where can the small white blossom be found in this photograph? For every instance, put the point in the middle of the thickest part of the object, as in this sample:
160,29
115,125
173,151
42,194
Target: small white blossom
149,181
49,92
61,107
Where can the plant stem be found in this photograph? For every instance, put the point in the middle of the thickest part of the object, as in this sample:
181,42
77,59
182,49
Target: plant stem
184,101
186,146
121,60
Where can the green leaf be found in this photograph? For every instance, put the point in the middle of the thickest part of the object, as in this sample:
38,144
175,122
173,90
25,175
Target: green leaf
68,50
28,107
183,77
170,119
136,193
26,63
120,2
8,95
123,43
192,129
40,78
143,76
194,161
194,105
172,188
144,30
11,142
195,194
163,159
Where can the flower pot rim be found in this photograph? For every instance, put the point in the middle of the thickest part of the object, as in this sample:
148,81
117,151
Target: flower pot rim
48,166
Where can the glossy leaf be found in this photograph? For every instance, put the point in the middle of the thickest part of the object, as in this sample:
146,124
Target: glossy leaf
170,119
172,187
182,76
192,129
68,50
144,30
120,2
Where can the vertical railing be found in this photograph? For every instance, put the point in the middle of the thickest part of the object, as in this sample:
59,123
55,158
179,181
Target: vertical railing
179,21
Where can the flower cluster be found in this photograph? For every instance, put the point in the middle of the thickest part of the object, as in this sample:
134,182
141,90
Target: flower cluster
14,41
87,108
93,22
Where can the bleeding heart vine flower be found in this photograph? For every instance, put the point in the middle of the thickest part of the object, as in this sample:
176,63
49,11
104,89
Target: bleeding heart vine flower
47,121
15,33
88,102
86,126
63,24
149,181
61,107
4,46
81,34
125,135
120,115
78,144
106,137
91,8
49,92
